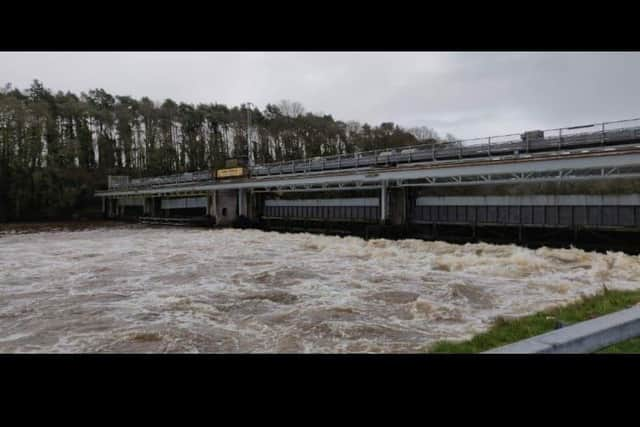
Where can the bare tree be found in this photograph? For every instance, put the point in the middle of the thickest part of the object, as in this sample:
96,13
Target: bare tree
423,133
353,127
290,108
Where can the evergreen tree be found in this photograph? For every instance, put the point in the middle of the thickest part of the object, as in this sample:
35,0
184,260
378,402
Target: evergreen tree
57,149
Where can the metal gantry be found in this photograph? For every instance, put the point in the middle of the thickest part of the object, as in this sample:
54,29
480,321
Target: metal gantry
623,162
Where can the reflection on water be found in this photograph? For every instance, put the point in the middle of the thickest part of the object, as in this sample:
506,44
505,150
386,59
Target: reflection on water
136,289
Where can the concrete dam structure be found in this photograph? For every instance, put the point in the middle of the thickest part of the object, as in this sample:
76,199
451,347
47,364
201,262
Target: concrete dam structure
576,185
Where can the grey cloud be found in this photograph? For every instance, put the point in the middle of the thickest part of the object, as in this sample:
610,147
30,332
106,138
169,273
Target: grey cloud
466,93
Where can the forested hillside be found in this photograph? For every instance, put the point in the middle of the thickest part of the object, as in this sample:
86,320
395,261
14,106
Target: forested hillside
57,148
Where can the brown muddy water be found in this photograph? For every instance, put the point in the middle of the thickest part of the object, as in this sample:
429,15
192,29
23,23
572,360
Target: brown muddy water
137,289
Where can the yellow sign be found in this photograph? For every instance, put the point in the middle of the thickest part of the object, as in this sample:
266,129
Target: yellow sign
227,173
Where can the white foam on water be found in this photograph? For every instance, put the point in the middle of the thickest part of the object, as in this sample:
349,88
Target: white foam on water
135,289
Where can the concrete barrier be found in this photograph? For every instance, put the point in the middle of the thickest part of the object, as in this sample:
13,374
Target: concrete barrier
583,337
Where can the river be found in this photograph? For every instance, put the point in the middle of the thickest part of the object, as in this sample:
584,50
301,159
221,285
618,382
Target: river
148,289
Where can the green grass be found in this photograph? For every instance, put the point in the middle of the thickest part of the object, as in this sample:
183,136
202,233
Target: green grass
630,346
504,332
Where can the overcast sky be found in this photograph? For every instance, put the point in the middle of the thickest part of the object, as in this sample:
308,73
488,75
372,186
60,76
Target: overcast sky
469,94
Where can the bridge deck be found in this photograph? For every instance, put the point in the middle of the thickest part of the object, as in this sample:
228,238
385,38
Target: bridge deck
490,148
598,162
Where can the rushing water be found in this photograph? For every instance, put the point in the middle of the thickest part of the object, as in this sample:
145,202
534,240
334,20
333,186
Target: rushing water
136,289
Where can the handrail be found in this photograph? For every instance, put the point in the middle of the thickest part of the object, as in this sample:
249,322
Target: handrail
462,141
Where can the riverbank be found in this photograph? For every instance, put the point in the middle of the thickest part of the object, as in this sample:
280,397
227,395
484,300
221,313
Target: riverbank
44,226
505,332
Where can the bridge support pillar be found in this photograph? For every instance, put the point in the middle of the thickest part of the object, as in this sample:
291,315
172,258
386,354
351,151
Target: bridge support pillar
397,205
113,207
212,208
149,207
253,205
384,203
226,205
242,202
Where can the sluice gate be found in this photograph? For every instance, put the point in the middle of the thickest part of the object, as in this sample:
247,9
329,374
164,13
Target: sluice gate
618,211
352,209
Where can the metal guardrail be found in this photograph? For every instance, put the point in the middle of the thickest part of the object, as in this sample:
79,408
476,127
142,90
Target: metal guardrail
558,139
553,139
163,180
582,337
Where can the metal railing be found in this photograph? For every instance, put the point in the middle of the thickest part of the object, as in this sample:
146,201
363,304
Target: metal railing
555,139
175,179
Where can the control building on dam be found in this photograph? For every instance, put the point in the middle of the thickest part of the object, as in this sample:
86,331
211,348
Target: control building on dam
576,185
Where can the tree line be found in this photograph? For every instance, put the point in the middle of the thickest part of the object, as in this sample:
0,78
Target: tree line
56,149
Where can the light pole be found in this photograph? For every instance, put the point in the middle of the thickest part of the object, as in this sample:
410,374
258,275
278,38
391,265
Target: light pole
249,157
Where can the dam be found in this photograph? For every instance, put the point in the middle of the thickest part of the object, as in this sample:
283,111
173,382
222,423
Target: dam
575,185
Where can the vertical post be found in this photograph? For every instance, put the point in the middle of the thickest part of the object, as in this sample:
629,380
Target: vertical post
104,213
249,157
383,202
520,223
489,146
405,196
242,204
560,140
251,205
475,222
213,205
153,210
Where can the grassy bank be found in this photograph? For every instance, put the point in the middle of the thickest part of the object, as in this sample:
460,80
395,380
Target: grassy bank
508,331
